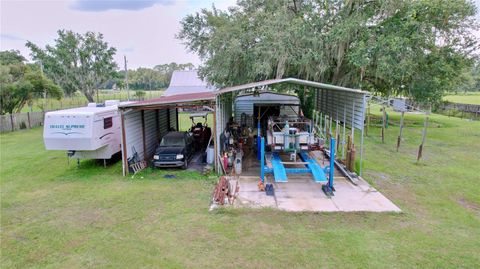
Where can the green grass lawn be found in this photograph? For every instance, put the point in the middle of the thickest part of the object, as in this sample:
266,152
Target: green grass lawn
464,98
56,215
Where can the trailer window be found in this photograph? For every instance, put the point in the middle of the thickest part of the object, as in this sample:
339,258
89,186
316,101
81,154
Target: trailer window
107,123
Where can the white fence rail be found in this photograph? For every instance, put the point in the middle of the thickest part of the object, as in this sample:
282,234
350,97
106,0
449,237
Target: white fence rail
14,122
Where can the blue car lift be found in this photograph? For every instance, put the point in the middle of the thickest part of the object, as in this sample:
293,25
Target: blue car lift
280,172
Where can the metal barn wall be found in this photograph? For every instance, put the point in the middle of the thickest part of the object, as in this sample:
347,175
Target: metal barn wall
163,122
150,132
245,104
340,105
134,134
173,118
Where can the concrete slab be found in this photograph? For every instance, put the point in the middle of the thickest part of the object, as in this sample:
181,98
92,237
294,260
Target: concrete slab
301,193
249,196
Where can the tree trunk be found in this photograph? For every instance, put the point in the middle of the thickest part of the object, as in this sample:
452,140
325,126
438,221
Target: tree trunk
89,96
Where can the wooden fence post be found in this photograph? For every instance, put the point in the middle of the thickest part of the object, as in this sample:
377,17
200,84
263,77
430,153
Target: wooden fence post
29,123
424,135
383,124
399,140
368,119
12,122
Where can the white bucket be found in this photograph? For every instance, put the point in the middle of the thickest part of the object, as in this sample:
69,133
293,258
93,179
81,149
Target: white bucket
238,166
210,154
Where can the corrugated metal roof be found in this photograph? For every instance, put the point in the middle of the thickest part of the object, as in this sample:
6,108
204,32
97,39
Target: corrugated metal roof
187,81
178,99
288,80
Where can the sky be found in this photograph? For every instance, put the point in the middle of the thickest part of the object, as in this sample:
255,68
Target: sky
142,30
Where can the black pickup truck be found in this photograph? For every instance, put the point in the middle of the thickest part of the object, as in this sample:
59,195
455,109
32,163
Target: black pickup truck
175,150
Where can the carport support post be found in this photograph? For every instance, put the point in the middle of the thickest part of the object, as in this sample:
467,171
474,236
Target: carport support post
328,188
215,138
344,130
262,159
332,163
258,134
361,142
124,146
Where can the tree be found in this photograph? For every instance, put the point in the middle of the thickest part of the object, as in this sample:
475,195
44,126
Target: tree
469,79
20,83
77,62
145,79
166,70
8,57
140,95
392,47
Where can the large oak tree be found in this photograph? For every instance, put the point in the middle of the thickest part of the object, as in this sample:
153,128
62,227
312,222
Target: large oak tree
77,62
407,47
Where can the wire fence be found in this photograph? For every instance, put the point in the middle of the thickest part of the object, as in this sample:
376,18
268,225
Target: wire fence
33,116
18,121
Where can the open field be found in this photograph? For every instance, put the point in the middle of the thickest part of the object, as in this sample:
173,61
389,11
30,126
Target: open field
464,98
80,100
54,214
185,123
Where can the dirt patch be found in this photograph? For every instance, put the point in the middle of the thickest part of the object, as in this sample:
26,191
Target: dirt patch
471,206
82,217
398,192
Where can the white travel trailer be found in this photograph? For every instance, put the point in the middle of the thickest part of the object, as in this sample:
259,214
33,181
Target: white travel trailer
91,132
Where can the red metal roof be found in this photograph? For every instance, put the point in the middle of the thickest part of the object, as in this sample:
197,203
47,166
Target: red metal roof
174,99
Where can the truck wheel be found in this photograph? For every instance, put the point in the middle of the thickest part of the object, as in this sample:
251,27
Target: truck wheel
185,164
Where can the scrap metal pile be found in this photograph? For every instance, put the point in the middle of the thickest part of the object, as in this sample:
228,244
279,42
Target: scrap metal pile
226,191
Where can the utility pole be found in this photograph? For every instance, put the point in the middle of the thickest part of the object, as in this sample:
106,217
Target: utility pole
44,90
126,77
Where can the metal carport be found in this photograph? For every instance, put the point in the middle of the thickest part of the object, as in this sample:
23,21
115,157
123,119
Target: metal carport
334,103
145,122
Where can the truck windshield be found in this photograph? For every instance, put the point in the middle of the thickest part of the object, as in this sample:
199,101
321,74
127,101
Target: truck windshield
172,141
